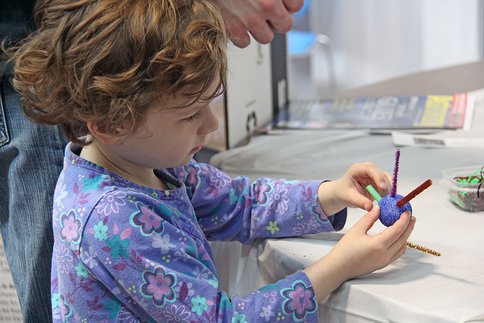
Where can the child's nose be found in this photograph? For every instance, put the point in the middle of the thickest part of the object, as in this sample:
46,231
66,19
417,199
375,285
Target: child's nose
210,123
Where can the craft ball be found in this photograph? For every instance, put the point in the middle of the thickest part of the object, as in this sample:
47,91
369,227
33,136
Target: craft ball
389,211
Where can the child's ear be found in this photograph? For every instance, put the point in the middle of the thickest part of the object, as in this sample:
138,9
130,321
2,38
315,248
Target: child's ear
103,137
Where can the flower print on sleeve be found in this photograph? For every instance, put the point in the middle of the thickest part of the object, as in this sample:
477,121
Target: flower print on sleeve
239,318
65,309
280,199
272,227
64,258
111,203
70,227
176,314
299,301
159,286
94,180
90,257
162,243
215,182
266,313
218,179
118,246
61,310
305,225
100,231
191,177
81,270
146,219
199,305
262,190
126,316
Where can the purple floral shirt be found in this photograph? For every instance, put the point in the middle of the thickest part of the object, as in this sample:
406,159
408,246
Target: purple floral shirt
129,253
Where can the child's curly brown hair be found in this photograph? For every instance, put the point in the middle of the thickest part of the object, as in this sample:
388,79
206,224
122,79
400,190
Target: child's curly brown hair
107,61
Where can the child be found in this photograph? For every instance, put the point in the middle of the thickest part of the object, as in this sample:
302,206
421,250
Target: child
31,154
130,82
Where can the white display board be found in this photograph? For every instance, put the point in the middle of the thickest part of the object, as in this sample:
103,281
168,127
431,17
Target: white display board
248,96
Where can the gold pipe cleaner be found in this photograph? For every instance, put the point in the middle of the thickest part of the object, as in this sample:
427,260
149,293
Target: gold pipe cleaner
422,248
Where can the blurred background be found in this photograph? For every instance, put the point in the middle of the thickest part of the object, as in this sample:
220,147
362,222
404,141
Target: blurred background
368,41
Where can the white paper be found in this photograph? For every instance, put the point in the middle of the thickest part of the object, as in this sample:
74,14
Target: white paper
447,138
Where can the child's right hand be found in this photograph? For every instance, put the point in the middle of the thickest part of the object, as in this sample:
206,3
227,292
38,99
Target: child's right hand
349,190
358,253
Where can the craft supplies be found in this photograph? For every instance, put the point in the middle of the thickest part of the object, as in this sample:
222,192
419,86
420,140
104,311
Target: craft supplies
465,187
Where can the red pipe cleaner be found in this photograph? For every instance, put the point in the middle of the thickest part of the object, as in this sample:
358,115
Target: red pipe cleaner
414,193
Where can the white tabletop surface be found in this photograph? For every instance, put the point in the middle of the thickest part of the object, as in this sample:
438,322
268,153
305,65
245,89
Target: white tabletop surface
416,288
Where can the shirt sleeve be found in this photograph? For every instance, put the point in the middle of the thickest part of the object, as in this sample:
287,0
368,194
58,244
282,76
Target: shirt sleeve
163,273
235,209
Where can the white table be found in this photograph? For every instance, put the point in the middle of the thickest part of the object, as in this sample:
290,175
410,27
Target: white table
416,288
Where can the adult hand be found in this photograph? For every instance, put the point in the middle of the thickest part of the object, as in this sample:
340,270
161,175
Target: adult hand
349,190
261,18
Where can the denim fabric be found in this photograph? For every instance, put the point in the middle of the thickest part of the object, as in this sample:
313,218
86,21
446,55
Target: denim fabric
30,162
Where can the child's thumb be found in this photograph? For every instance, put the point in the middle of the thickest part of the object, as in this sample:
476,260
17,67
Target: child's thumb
367,221
363,202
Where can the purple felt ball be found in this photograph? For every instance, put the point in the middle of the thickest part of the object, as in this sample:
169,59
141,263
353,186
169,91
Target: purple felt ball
389,211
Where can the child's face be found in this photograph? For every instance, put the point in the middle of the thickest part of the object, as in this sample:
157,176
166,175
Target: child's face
168,137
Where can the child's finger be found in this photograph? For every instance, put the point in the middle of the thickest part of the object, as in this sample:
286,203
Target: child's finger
367,221
399,253
402,240
363,202
380,178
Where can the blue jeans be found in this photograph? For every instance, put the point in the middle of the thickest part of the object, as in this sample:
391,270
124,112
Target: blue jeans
30,161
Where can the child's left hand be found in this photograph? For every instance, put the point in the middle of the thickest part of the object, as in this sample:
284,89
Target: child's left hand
349,190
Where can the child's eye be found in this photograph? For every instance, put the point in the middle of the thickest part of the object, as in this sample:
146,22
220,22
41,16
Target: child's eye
192,117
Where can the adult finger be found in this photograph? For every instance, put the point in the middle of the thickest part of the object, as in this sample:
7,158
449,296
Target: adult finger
293,5
238,34
263,33
282,25
240,40
277,15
